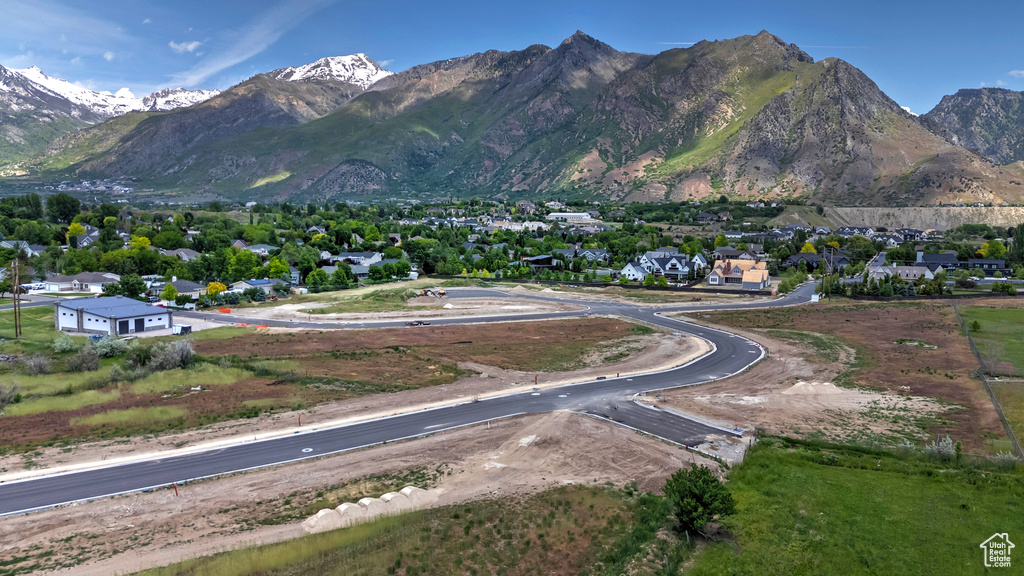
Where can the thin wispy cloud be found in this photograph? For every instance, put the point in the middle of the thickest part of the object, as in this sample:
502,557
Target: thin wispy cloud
109,56
386,62
1016,73
183,47
147,21
255,37
80,31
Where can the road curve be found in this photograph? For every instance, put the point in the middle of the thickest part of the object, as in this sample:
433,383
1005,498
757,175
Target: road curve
610,398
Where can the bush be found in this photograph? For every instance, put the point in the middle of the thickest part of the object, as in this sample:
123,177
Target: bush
171,355
87,360
138,356
116,374
63,344
37,365
109,346
698,497
941,449
182,299
232,298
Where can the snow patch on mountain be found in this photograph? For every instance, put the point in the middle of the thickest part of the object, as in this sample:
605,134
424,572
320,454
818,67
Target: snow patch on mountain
356,69
123,101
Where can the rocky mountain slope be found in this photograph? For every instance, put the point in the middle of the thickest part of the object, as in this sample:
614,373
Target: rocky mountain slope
749,117
356,69
989,121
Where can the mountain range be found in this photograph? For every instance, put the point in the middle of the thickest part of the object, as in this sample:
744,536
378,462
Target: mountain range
747,117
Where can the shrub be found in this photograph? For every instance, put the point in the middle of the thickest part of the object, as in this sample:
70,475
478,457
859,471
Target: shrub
138,356
63,344
1005,460
698,496
232,298
37,365
941,449
171,355
117,374
182,299
109,346
87,360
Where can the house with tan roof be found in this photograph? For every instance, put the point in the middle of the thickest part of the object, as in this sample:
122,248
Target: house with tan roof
749,274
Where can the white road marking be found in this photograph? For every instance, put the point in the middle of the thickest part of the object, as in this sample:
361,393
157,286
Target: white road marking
307,449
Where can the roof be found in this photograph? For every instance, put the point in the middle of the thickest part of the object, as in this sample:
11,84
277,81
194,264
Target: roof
186,285
257,282
86,277
112,306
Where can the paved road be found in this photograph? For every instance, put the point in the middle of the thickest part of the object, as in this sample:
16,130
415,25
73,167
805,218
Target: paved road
610,398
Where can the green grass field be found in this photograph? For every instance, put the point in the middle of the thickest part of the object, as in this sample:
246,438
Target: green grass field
37,331
132,416
809,509
1002,328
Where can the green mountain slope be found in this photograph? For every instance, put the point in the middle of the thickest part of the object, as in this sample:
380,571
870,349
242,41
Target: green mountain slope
748,117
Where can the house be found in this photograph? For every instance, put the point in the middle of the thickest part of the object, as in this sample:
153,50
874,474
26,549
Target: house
812,261
634,271
194,290
733,234
361,258
84,282
260,249
724,216
114,316
890,240
822,230
729,253
736,272
946,260
526,207
593,254
851,231
676,268
910,234
183,254
698,262
22,246
266,283
664,252
314,230
908,273
395,239
705,218
294,275
569,216
988,266
541,262
554,205
240,244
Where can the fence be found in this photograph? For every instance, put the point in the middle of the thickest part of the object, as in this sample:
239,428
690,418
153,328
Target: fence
685,288
988,388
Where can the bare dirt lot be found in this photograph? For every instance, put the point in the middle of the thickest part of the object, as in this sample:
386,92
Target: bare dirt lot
419,307
514,456
887,356
628,355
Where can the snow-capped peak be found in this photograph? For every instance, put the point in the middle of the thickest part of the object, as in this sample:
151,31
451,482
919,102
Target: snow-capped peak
356,69
121,102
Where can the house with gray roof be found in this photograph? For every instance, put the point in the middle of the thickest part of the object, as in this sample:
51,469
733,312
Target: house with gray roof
115,316
83,282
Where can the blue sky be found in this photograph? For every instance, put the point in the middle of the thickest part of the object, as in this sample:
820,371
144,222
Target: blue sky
915,51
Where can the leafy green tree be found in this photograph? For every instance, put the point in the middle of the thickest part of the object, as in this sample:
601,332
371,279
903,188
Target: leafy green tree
62,207
698,497
317,279
130,285
5,287
721,241
808,248
649,280
169,293
993,249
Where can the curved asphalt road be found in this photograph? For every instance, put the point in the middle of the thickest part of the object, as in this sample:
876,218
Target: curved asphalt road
607,398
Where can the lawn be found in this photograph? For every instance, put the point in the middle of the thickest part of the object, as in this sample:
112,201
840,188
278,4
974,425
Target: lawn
820,509
1001,334
37,331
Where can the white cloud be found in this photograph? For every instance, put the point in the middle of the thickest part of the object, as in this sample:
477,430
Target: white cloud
1000,83
909,111
386,62
182,47
147,21
108,55
255,37
1016,73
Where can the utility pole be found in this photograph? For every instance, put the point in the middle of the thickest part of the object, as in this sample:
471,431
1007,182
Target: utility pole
17,297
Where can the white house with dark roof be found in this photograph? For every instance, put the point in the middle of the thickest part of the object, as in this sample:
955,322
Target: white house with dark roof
83,282
634,271
114,316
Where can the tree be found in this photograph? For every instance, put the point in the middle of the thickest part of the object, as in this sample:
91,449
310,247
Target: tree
975,326
649,280
808,249
721,241
5,287
131,285
214,288
993,249
169,293
139,242
316,279
75,229
698,496
662,282
62,207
